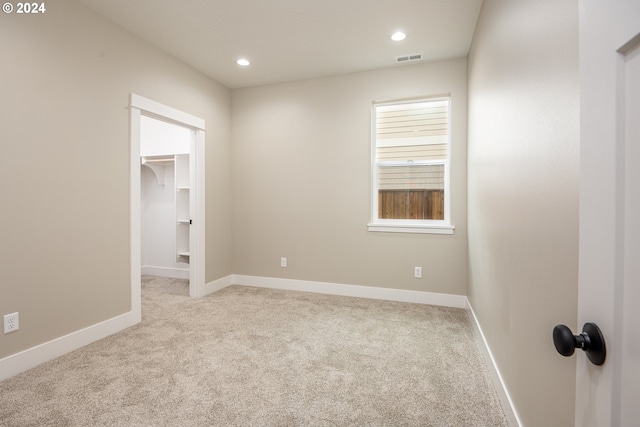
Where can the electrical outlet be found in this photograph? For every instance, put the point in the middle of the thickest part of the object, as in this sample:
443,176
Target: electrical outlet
11,323
417,272
283,262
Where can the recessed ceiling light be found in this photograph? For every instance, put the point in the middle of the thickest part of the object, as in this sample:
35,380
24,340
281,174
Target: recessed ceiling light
243,62
398,36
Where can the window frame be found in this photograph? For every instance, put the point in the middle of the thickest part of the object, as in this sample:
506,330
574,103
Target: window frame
424,226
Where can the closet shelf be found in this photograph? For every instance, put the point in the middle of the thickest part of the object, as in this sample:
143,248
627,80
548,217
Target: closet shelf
183,188
157,159
184,221
184,254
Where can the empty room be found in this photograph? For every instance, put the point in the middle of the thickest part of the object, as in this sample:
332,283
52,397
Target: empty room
287,212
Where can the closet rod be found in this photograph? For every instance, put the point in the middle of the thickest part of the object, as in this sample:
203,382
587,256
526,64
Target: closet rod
158,160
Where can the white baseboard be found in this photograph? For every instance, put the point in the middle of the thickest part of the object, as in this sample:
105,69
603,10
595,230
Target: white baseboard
32,357
216,285
446,300
503,392
173,273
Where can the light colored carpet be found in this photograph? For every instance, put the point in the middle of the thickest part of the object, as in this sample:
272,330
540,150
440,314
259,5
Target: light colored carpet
259,357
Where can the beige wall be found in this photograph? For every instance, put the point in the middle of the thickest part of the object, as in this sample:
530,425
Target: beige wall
301,182
65,82
523,196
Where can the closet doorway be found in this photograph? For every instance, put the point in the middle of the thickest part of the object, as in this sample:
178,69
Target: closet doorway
167,179
165,152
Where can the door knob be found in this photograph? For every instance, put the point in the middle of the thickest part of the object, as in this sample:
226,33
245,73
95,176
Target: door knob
590,341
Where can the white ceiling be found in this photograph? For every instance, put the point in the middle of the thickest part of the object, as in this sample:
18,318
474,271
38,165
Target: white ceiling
288,40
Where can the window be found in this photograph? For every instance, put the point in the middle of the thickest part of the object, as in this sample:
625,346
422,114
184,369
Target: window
411,167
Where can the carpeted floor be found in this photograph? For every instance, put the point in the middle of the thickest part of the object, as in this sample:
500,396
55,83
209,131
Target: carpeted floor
260,357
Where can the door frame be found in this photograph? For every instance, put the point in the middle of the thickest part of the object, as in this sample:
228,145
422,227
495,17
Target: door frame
139,106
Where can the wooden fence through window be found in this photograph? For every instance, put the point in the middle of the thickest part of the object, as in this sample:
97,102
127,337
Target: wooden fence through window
411,204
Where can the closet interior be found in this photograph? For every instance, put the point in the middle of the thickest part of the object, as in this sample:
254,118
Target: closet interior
165,198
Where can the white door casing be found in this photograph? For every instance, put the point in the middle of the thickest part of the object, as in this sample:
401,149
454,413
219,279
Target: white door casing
609,208
138,106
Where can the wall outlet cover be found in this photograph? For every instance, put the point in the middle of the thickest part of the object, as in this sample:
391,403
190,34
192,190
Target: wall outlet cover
11,322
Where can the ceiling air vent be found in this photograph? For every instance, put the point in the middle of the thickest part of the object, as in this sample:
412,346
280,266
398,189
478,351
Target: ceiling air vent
408,58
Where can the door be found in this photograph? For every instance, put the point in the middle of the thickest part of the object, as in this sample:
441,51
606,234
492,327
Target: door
609,289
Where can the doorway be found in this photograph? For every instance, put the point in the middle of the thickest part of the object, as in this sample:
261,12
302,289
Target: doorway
189,224
165,151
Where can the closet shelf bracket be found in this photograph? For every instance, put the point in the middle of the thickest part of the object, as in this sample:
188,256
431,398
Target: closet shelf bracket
157,165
